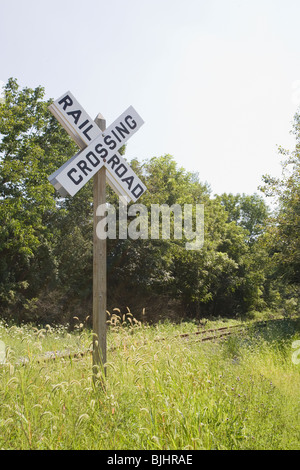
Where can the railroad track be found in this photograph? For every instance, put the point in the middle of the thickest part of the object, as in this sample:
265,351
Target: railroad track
214,333
202,336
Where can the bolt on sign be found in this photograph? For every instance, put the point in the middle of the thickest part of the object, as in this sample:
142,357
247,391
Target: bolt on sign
98,148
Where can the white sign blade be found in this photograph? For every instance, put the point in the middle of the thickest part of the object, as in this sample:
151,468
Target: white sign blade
116,187
79,125
52,177
121,173
81,168
122,128
99,148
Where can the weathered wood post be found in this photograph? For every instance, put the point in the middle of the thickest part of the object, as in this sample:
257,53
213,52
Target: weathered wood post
99,269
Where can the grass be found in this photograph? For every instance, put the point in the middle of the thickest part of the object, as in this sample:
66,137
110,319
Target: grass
241,393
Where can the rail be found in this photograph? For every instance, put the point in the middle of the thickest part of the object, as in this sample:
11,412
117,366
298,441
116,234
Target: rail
214,334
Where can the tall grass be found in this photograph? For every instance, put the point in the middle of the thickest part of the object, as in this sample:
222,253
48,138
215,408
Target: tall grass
241,393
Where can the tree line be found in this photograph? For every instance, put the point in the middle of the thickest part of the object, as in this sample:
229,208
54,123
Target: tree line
249,262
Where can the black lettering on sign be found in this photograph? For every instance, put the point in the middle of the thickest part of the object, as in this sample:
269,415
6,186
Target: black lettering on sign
137,191
86,132
122,130
113,132
101,151
121,170
73,170
83,167
129,181
115,161
83,124
110,142
66,101
75,114
93,159
130,122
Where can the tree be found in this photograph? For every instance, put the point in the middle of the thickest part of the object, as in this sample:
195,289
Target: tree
284,227
248,211
221,278
46,241
144,266
32,146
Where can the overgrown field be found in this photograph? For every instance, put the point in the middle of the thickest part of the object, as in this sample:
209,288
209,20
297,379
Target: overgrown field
176,393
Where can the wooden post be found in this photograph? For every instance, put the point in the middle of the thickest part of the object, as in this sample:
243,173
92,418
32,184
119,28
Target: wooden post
99,270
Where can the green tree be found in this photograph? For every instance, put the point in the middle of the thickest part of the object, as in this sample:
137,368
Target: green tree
248,211
32,146
46,240
221,278
284,227
144,266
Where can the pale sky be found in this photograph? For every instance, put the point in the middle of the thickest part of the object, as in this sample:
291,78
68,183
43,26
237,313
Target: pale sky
217,82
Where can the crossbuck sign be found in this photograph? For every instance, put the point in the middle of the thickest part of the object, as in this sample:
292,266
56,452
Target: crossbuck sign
98,152
97,149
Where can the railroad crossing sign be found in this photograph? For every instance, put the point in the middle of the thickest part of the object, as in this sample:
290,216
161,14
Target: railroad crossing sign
98,153
98,149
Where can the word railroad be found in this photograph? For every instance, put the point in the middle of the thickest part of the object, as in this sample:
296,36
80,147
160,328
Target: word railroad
98,148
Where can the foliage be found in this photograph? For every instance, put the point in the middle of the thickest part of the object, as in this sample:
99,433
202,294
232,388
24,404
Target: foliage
281,239
179,394
46,241
249,212
32,145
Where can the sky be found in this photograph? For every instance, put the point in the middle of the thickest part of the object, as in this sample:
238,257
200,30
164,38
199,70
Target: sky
217,82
